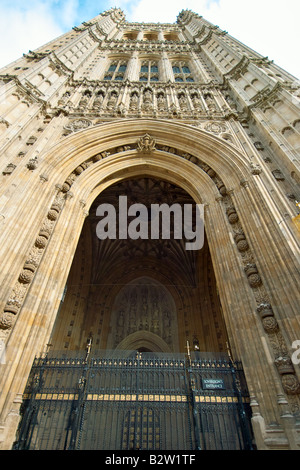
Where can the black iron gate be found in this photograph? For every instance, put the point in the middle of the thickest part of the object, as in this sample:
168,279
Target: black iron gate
121,400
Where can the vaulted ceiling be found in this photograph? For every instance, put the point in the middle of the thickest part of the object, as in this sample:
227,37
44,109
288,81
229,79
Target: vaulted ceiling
108,254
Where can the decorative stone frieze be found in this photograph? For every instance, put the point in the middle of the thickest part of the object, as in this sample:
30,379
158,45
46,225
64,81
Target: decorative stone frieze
16,299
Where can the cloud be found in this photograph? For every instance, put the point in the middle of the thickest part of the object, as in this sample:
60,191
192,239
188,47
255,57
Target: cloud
27,26
24,29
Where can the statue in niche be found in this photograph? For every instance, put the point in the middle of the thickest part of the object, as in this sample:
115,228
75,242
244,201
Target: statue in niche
63,100
99,100
210,103
161,102
112,100
182,102
134,101
231,103
196,102
85,99
147,100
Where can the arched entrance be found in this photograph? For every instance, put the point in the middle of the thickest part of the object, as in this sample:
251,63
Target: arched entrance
143,287
212,172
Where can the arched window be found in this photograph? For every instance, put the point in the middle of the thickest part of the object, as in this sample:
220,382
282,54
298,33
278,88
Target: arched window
182,72
116,70
149,71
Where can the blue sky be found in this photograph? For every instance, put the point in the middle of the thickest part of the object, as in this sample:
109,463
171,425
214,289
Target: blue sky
271,27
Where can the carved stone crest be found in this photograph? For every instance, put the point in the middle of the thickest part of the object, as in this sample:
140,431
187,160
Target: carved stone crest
215,127
146,144
78,125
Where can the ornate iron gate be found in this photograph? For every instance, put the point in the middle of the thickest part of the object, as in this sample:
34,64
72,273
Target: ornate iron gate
123,400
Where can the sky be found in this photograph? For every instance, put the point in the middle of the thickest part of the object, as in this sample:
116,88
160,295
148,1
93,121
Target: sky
270,27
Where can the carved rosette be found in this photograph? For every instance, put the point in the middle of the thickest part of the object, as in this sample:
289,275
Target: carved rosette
232,215
266,314
252,275
7,318
241,242
290,384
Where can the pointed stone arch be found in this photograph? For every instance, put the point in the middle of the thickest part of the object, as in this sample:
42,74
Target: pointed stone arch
144,340
214,173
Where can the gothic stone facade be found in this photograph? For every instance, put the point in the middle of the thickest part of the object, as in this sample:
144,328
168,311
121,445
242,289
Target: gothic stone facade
185,103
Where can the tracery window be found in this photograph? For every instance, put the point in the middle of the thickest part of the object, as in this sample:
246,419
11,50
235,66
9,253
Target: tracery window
182,72
116,70
149,71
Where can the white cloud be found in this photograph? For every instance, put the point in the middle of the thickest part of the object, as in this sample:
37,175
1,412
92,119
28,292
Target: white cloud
28,26
23,30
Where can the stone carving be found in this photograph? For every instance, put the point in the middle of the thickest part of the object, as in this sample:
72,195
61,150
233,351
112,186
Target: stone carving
99,99
7,318
196,102
78,125
278,175
265,310
232,215
270,325
290,384
241,242
215,127
134,101
161,102
146,144
182,102
255,168
147,100
15,301
9,169
32,163
252,275
112,101
284,365
222,189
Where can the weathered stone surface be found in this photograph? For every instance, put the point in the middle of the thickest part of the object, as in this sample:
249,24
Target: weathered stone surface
163,113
